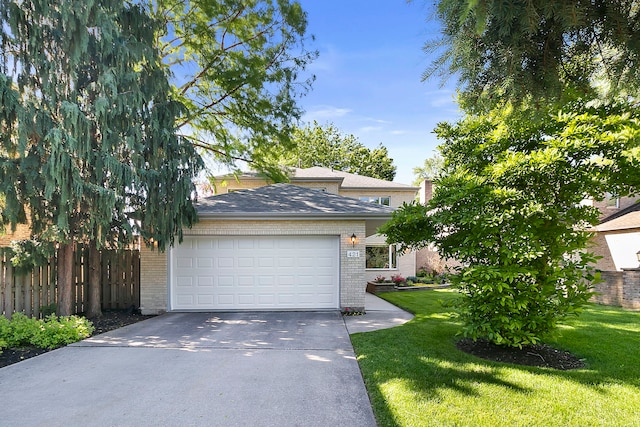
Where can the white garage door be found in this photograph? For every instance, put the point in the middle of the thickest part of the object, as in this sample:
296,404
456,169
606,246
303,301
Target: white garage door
255,273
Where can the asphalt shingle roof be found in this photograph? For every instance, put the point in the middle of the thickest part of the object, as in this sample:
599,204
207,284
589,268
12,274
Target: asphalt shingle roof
287,200
349,180
317,173
623,220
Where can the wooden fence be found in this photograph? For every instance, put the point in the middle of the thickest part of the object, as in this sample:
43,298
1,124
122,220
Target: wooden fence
35,293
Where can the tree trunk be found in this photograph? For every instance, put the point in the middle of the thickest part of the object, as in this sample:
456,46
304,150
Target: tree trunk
64,278
95,290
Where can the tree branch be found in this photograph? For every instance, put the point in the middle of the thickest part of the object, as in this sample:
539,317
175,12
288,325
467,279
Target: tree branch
198,143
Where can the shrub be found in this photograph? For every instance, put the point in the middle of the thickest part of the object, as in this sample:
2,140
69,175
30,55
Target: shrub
21,329
4,330
397,279
380,279
57,332
413,279
52,332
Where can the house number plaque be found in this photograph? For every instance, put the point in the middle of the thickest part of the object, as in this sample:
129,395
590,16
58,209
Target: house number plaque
353,254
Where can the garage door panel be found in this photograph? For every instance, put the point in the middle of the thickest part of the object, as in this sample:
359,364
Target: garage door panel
306,262
246,281
247,262
324,262
286,280
246,244
246,299
184,262
282,272
325,298
266,281
225,262
183,281
266,262
205,281
284,262
324,280
226,281
204,262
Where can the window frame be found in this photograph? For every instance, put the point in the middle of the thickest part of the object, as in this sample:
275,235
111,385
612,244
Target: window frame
392,257
378,200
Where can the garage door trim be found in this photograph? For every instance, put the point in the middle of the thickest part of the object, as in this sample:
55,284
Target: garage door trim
274,272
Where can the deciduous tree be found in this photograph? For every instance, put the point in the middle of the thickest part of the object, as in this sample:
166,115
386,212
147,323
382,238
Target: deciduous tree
326,146
508,207
238,67
430,170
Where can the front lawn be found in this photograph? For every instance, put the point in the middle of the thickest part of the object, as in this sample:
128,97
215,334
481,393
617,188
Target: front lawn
417,377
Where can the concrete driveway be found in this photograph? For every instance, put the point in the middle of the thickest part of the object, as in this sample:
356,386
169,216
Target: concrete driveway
196,369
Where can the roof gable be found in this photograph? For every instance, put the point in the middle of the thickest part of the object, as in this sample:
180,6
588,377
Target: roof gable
349,180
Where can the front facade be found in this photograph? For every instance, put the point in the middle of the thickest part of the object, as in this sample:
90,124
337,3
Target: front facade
381,258
276,247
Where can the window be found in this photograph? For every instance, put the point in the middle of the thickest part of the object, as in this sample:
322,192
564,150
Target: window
381,256
380,200
612,201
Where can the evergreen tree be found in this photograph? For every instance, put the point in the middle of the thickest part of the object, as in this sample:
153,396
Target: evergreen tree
538,50
89,148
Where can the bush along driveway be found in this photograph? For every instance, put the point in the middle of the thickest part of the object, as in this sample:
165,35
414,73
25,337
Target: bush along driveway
416,376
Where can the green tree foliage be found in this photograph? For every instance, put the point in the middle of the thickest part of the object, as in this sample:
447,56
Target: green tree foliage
509,208
516,51
237,68
326,146
430,170
89,148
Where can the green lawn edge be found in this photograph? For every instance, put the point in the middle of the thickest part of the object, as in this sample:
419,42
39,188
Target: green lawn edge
415,376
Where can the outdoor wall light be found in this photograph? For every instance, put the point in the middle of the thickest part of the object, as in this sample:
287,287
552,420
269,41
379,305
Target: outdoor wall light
638,256
354,238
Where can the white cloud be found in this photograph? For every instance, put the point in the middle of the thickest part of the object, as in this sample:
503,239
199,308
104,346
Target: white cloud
326,112
381,121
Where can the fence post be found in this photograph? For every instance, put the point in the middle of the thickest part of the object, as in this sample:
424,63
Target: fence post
8,291
2,282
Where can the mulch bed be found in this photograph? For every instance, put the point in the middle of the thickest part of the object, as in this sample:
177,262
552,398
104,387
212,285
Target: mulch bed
540,355
109,321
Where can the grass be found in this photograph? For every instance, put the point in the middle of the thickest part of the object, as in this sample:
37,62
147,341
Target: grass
416,376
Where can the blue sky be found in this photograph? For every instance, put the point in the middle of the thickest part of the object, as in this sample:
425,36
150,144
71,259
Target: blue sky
368,76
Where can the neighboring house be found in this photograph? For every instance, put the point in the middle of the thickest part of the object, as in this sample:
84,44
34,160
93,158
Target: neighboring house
22,232
617,237
428,258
